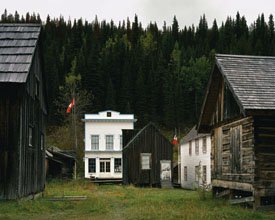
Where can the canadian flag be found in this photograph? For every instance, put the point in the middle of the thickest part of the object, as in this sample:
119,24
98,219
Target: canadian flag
69,109
175,140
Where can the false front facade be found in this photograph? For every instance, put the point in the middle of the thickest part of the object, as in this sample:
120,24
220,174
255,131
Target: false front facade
103,143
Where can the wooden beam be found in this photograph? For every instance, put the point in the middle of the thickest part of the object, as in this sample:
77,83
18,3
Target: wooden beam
233,185
242,200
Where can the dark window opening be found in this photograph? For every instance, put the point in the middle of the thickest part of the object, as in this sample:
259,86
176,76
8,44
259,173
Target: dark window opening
92,165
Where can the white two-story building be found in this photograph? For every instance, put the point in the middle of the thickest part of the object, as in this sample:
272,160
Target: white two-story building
103,143
195,161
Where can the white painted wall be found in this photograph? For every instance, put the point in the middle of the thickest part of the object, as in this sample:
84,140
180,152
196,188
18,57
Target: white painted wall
194,160
100,124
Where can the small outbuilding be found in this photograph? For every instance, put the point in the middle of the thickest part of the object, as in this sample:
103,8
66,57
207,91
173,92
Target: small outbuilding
60,163
239,112
147,157
22,111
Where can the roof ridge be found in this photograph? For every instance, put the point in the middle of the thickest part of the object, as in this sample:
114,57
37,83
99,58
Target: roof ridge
245,56
20,24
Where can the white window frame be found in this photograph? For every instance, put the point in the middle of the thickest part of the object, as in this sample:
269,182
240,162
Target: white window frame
117,168
121,142
94,159
197,146
204,145
190,148
95,143
109,144
104,161
145,161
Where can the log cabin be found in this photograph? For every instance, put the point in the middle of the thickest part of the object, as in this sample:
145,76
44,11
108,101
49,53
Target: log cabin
239,111
22,112
147,157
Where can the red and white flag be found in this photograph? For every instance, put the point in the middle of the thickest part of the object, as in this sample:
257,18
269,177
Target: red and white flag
175,140
69,109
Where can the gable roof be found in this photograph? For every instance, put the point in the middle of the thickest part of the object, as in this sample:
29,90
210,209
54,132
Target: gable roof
192,135
17,47
251,80
150,124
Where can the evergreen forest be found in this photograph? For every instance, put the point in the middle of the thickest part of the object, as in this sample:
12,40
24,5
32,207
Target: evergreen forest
157,73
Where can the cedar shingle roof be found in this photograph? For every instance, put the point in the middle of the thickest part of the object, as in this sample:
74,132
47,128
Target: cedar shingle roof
252,79
17,46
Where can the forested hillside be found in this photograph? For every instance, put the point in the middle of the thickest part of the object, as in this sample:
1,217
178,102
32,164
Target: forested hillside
157,73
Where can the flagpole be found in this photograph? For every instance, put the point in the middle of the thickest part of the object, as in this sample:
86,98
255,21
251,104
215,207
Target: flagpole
75,132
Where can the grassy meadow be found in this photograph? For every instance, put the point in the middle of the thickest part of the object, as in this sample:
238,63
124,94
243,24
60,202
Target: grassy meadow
124,202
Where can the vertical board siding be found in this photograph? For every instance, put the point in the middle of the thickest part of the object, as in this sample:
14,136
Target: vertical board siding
21,166
149,140
265,152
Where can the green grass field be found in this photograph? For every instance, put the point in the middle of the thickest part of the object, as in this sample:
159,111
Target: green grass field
124,202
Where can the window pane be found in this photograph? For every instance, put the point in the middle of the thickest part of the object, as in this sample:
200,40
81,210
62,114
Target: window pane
92,165
197,146
102,167
117,166
94,142
185,173
107,167
204,149
145,161
190,148
121,142
109,142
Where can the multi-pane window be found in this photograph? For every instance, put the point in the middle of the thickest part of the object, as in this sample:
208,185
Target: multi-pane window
94,142
118,167
185,173
109,142
190,148
197,146
204,173
121,142
204,148
92,165
145,161
105,165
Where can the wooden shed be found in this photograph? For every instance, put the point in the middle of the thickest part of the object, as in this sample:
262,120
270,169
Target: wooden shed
60,163
239,110
147,157
22,112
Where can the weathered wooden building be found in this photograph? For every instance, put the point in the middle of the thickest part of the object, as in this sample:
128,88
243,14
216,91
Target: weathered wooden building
22,111
60,163
239,110
147,157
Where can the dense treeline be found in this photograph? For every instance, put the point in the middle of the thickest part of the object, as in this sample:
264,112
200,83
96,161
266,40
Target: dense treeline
159,74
